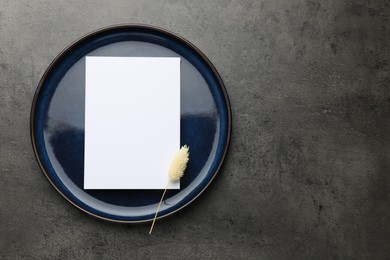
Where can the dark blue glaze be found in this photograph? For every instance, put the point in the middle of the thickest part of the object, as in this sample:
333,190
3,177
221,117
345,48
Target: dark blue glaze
58,122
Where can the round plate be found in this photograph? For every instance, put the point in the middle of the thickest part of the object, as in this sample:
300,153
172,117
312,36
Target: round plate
57,122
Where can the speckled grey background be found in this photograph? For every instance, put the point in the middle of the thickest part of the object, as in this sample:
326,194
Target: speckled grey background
308,173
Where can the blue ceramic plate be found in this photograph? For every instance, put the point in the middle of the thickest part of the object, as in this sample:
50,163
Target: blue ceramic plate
57,122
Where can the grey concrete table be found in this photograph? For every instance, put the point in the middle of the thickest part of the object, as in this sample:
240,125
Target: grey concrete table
308,173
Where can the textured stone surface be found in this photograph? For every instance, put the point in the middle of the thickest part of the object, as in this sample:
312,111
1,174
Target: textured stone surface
307,176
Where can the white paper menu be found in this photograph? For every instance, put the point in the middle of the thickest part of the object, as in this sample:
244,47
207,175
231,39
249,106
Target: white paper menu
132,122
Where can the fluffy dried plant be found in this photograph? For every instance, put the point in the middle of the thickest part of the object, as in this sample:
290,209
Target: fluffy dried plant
175,172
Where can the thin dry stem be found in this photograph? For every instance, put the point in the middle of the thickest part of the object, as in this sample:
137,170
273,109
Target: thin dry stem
158,208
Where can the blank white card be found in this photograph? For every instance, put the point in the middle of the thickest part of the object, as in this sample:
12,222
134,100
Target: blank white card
132,122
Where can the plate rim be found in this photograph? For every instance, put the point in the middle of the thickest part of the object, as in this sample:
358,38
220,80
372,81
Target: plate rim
130,26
